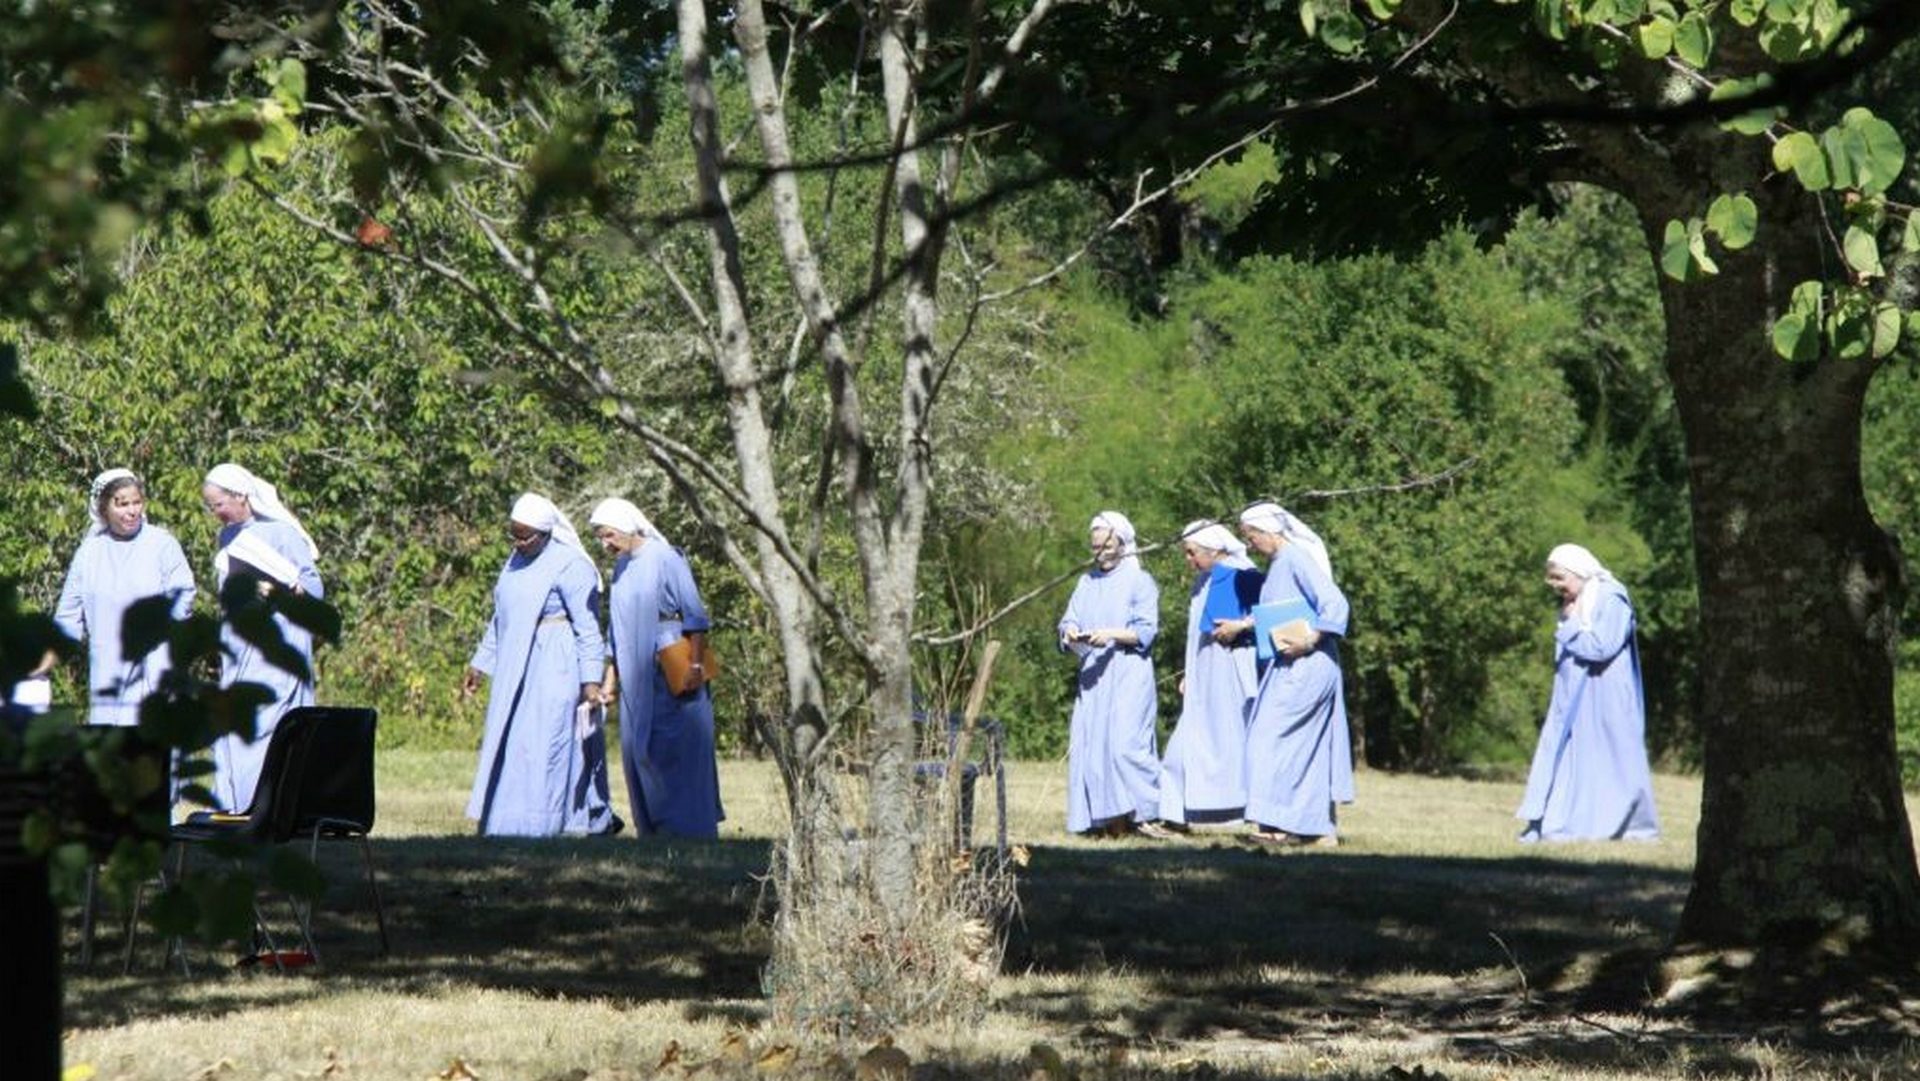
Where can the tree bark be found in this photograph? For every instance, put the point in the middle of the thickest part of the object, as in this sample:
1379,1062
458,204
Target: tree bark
1805,854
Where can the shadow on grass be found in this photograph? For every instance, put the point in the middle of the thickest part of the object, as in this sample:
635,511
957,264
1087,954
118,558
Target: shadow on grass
577,918
1205,945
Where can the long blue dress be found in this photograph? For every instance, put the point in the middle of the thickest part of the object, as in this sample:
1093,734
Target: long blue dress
1113,769
666,741
1299,755
237,760
107,575
1590,779
1203,777
537,777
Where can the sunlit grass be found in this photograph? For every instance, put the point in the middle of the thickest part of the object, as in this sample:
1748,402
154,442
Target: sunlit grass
1429,939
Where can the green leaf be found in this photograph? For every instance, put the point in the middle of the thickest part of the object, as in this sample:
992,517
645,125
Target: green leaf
1787,43
1693,39
1598,11
1784,11
1862,252
1794,338
1628,11
1655,38
1806,299
1746,12
1734,218
1846,152
1551,17
290,85
1910,234
1801,155
1882,154
1383,9
1675,261
1754,121
1851,333
1697,247
1342,31
1886,328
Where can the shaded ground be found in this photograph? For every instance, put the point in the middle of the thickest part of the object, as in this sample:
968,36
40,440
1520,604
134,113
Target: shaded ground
1195,958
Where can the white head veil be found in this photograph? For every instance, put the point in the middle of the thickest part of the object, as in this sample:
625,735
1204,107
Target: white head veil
1272,518
533,509
94,492
1211,535
623,515
1116,523
1578,561
262,497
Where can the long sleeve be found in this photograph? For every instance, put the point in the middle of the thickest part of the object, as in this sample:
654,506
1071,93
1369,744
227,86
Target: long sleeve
1611,630
71,614
1329,603
488,651
1143,608
678,593
579,589
177,575
1072,617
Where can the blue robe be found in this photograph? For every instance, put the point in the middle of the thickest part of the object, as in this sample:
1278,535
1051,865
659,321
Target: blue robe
236,759
536,776
1113,769
1299,755
666,742
1590,779
1204,775
107,575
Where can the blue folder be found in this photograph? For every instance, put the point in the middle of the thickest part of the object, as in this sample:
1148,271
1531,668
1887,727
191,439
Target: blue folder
1277,614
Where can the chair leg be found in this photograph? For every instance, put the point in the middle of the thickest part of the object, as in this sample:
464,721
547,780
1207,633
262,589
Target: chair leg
373,884
88,898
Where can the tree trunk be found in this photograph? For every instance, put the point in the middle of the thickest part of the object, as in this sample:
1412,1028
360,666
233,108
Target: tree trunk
30,979
1805,854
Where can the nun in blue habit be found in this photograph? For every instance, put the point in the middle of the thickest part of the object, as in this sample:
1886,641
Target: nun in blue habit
1299,754
124,558
260,537
1590,779
1113,769
666,740
543,759
1203,777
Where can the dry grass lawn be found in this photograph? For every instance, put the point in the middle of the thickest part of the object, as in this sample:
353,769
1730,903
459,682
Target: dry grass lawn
1429,945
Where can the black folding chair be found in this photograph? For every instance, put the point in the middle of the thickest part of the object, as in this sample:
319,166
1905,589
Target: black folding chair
316,783
990,745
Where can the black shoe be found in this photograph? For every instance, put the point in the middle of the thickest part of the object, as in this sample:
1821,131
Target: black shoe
613,828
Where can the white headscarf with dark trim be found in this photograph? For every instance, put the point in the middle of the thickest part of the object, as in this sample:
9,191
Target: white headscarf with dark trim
536,510
1210,534
625,516
262,498
99,487
1116,523
1273,518
1583,564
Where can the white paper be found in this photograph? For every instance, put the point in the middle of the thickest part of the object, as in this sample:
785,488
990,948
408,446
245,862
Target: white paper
587,717
35,694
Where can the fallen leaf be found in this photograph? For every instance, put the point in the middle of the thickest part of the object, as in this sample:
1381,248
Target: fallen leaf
79,1071
225,1065
458,1070
776,1059
1021,856
733,1046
